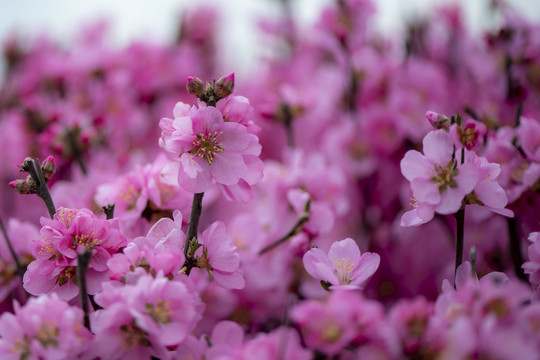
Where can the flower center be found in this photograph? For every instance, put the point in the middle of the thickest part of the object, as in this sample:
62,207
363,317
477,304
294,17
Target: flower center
444,176
207,145
343,269
161,312
134,335
469,136
86,240
65,275
66,216
47,335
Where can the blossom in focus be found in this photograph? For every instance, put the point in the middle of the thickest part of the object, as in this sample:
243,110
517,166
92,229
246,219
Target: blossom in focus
343,267
220,257
438,183
207,148
69,233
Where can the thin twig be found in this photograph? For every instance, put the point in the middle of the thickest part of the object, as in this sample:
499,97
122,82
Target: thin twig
20,269
304,218
196,210
460,236
83,259
34,169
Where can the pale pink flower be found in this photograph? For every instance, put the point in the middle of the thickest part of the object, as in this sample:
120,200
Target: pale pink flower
45,328
220,257
343,267
439,184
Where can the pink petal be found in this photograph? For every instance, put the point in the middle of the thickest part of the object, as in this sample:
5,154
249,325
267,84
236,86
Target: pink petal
345,249
414,165
368,264
451,200
425,191
438,147
228,167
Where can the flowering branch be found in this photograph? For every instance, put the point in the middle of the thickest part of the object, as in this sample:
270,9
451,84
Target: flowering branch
191,236
41,189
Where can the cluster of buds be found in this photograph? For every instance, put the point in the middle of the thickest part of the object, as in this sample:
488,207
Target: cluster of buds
30,185
212,92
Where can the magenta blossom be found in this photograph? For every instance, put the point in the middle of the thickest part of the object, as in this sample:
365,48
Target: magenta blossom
208,148
439,184
220,257
69,233
470,134
343,266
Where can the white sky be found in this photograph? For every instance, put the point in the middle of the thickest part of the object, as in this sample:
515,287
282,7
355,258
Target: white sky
136,19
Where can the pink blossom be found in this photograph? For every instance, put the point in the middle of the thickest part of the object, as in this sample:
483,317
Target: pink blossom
208,148
470,134
343,266
144,318
528,133
282,343
220,257
340,320
161,250
487,192
69,233
438,183
532,267
45,328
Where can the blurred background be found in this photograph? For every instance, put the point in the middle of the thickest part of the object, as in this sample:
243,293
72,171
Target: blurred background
158,21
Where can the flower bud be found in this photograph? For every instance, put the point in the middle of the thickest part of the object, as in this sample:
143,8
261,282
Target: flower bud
225,86
48,167
195,86
21,186
438,121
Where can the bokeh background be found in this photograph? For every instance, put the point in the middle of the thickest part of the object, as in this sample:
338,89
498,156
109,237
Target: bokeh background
240,43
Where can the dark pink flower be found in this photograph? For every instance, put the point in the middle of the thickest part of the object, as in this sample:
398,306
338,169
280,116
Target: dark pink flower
208,148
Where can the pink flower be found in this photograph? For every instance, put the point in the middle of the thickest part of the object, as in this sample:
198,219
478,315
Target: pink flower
438,182
220,257
209,149
343,266
470,134
528,133
145,318
532,267
160,250
45,328
487,192
69,233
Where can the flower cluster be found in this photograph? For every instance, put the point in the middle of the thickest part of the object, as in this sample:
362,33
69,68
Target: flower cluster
263,217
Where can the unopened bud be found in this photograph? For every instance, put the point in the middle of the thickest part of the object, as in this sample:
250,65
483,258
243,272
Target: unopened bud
195,86
21,186
438,121
225,86
48,167
27,164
